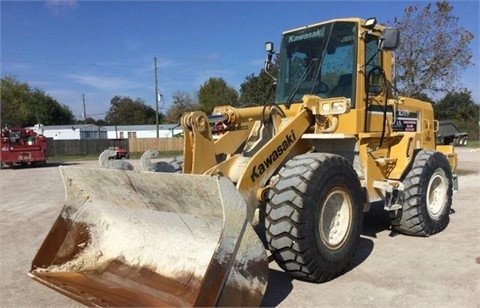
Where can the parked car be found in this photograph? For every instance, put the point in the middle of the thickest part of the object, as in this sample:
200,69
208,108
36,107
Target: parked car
120,153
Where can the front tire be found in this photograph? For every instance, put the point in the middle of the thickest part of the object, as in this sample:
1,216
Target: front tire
314,216
428,189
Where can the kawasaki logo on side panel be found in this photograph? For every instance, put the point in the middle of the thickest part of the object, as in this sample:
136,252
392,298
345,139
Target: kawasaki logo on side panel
259,169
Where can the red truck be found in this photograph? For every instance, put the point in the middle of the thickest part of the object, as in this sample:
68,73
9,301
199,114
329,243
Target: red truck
23,146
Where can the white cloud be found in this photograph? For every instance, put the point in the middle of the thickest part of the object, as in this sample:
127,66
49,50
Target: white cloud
164,63
211,57
103,83
61,3
59,7
257,63
96,103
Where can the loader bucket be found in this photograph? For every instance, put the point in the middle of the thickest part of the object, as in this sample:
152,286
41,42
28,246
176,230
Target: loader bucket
128,238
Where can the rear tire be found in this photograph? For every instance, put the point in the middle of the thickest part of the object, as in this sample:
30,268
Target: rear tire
314,216
428,189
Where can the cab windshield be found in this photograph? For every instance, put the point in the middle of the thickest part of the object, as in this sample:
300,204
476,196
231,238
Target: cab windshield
318,60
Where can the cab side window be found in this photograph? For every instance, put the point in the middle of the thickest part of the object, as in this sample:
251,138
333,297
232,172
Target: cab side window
371,43
373,61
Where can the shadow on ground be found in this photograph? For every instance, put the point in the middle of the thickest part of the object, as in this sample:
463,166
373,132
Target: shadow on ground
376,221
46,165
280,283
460,171
278,288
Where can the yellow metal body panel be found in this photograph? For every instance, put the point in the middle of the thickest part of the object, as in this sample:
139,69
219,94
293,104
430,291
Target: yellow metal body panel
366,132
267,160
199,151
449,152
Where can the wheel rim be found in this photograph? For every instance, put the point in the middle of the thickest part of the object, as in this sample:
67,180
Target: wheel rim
437,193
335,218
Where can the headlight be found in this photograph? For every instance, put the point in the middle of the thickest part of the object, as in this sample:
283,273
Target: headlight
335,107
339,107
326,108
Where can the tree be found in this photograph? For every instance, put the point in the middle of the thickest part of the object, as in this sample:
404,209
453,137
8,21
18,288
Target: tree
433,51
461,110
101,122
89,120
423,97
182,102
22,106
216,92
125,111
259,90
48,110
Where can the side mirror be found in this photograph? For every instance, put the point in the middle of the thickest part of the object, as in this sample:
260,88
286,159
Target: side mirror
389,40
270,52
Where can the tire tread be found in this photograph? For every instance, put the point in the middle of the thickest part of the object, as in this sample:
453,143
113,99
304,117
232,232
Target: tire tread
413,219
286,220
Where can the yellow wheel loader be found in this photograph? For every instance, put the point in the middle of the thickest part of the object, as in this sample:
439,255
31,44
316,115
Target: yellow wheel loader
299,173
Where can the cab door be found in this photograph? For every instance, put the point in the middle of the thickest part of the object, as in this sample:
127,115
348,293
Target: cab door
376,85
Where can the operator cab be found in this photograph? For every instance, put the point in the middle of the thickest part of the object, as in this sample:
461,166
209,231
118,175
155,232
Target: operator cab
317,60
321,59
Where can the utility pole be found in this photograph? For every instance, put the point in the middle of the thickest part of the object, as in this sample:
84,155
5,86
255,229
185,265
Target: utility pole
156,95
84,109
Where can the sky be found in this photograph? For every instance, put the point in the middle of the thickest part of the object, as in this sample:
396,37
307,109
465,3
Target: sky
101,49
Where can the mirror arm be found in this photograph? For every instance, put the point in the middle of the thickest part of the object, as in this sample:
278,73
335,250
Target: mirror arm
268,60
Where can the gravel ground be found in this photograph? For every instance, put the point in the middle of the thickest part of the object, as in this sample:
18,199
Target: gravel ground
401,271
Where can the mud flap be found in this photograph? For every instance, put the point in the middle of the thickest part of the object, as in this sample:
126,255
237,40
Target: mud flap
129,238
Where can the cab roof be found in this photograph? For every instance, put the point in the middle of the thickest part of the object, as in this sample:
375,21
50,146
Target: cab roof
351,19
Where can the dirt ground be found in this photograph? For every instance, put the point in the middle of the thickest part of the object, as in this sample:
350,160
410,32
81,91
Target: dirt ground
399,271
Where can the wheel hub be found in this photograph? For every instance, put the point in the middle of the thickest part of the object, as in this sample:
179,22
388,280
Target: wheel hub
335,218
437,193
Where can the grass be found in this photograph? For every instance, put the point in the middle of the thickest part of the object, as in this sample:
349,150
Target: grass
473,144
65,158
164,154
133,155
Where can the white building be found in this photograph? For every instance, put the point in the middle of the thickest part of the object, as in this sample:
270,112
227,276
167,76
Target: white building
75,132
92,131
142,131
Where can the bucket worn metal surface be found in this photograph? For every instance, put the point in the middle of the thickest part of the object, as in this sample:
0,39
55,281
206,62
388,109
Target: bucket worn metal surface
129,238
